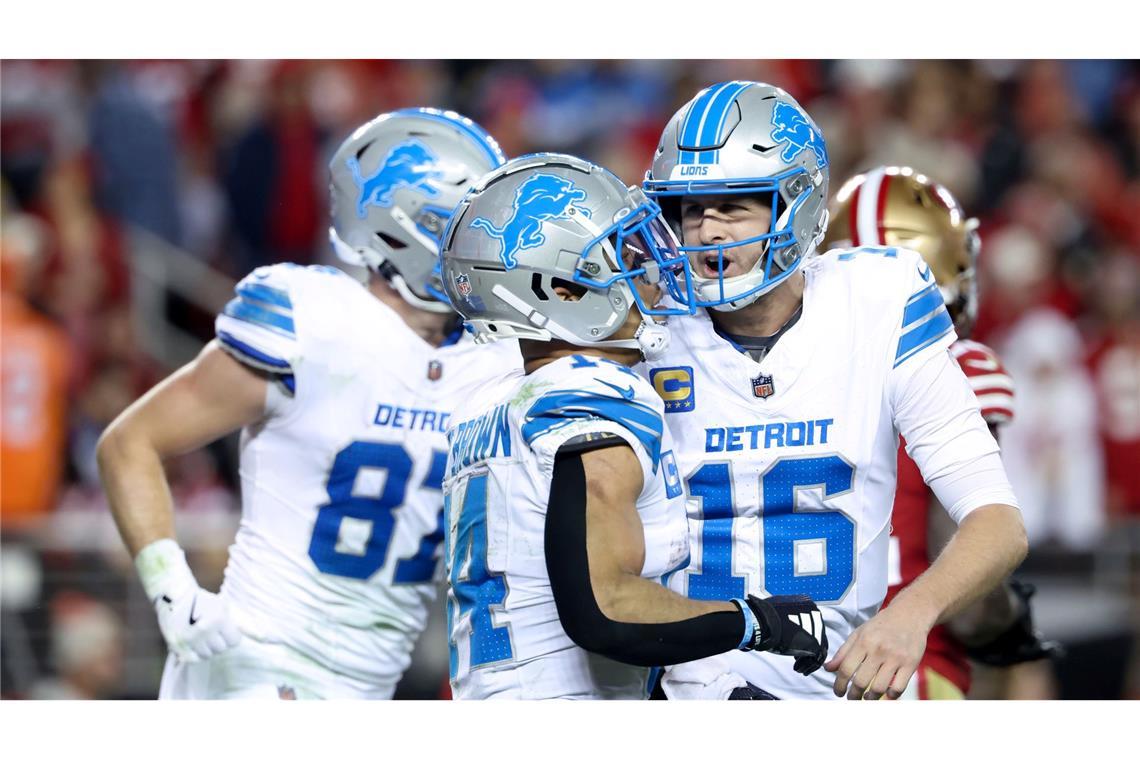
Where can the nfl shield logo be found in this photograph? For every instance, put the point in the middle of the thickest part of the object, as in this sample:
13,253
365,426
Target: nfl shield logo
463,285
435,370
762,386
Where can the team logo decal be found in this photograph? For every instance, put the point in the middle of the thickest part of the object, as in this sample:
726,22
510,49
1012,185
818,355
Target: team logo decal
409,164
794,128
538,200
675,387
762,386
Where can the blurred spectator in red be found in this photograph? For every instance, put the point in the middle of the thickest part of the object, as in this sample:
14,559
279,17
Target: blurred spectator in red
1051,449
275,178
33,379
86,647
1115,364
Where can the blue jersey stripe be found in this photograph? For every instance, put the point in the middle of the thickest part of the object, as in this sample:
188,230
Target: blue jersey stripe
922,336
257,292
251,352
260,316
555,409
921,304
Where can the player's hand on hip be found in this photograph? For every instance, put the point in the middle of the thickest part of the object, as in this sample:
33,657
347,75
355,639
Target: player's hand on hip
879,657
196,623
791,625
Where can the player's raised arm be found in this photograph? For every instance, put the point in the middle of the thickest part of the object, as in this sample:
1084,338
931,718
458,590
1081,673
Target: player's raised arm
211,396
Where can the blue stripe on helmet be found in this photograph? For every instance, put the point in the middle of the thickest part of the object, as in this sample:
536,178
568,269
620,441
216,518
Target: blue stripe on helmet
711,135
482,140
689,132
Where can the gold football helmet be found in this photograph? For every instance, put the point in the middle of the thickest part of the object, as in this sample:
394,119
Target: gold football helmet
898,206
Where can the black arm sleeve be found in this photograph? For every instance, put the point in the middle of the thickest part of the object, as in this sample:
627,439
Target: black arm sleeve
645,644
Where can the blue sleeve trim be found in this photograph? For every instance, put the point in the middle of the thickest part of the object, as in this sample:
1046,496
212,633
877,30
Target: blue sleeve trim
921,304
251,352
239,308
557,409
923,335
266,294
290,383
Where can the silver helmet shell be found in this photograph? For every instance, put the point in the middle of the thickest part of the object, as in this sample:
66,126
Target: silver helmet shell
746,138
548,220
394,184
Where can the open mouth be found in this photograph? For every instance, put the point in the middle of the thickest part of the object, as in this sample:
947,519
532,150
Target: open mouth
713,265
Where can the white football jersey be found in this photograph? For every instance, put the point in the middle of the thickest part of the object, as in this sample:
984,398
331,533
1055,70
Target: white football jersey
789,463
337,551
506,638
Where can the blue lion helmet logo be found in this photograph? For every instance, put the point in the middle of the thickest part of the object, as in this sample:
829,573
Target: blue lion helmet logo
409,164
540,198
791,125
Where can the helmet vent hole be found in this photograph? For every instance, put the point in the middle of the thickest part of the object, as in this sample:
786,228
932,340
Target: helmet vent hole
573,287
762,148
363,148
394,243
536,287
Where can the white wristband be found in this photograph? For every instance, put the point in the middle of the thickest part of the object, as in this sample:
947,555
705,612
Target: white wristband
163,569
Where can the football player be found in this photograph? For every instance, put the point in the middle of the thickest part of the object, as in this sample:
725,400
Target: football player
562,491
343,392
897,206
787,392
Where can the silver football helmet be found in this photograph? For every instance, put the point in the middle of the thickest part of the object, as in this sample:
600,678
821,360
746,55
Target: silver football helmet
394,184
547,220
745,138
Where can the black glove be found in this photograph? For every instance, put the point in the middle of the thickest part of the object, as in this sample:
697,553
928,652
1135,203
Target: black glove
1021,642
790,625
750,692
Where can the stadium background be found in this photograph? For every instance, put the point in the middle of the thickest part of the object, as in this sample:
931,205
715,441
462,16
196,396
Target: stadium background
135,193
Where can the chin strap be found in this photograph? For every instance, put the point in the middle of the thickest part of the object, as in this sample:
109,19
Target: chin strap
651,339
384,268
426,304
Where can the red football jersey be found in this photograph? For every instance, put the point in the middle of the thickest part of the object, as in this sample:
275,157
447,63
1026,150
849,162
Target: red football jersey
909,554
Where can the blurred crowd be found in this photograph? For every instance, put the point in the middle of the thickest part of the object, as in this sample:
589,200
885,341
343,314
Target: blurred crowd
226,162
